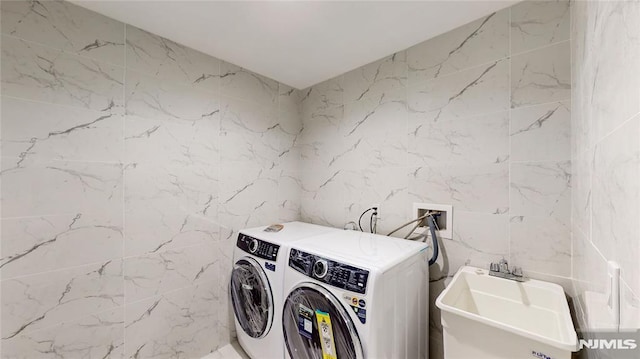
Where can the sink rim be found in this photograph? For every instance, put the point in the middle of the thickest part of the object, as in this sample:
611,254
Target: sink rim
571,344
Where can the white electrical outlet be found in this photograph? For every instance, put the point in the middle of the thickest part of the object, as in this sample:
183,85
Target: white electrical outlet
444,221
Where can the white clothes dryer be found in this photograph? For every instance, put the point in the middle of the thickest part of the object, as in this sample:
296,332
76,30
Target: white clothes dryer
256,285
363,295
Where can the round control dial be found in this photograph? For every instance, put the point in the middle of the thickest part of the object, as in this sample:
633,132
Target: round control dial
320,268
253,245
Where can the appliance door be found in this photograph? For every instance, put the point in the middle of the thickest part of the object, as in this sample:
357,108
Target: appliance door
251,297
310,296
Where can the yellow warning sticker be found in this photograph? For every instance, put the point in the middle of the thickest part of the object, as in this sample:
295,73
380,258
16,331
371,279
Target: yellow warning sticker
325,332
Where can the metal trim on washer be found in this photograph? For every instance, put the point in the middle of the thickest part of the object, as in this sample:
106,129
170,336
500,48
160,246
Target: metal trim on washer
265,280
357,344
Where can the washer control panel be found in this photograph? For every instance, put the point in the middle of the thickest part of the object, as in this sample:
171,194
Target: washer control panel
328,271
257,247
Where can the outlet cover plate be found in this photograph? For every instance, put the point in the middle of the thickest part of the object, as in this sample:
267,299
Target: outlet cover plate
447,232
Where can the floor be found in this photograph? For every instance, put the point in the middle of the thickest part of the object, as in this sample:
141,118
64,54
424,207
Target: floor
229,351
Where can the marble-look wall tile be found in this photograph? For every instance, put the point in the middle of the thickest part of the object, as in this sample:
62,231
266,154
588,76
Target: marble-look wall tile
616,199
169,61
374,134
541,133
478,239
552,255
32,188
462,144
541,76
81,134
324,101
40,73
589,266
325,213
64,26
289,99
46,299
99,335
392,212
470,140
323,184
375,184
165,142
225,318
163,271
540,208
606,149
581,192
250,134
248,197
290,154
243,84
168,122
173,187
315,150
380,81
289,190
538,23
629,308
388,187
150,97
616,65
479,90
479,188
178,324
36,129
39,244
541,189
478,42
152,227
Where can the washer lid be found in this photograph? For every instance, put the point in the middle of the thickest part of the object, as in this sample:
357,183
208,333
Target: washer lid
302,335
251,297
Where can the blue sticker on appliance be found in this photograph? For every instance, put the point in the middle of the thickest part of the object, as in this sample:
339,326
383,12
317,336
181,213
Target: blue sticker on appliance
270,266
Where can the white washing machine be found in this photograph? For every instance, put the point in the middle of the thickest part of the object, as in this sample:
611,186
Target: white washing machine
372,289
256,285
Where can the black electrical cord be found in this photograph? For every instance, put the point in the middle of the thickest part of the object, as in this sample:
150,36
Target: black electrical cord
431,222
362,215
432,227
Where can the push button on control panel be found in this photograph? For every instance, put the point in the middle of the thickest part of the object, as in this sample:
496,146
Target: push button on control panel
257,247
330,272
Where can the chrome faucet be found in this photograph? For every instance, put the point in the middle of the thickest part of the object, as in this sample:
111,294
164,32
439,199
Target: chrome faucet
501,270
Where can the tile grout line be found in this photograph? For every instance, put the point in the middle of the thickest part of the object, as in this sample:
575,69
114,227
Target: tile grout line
476,66
63,51
571,142
509,254
124,189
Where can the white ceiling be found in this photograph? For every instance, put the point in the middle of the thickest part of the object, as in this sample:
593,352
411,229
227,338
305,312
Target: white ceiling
296,43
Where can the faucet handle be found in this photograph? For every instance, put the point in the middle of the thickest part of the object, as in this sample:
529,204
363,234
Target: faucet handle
494,267
504,266
517,271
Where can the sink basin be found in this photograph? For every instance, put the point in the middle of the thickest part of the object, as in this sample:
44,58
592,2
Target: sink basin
489,317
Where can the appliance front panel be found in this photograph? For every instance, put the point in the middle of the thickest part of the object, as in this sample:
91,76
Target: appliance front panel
257,247
334,273
251,297
300,324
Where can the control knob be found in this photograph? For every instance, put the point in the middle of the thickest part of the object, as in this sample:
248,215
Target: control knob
320,268
253,245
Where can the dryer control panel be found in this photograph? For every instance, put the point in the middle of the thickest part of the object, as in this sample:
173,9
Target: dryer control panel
257,247
329,271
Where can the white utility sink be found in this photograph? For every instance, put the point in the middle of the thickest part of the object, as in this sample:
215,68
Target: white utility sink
489,317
